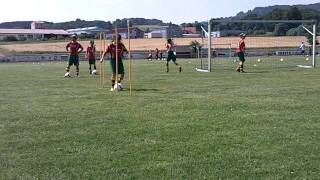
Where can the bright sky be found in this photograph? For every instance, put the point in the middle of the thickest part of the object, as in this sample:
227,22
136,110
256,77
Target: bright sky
176,11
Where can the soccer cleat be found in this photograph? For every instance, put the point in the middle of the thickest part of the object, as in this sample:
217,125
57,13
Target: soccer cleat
180,69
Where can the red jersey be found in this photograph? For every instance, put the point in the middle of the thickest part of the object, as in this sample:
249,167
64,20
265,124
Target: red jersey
112,50
91,53
74,48
241,46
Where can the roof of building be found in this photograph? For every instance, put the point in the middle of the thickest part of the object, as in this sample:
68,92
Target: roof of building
85,29
34,31
123,30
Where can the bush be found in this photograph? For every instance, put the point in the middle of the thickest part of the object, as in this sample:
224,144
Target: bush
10,38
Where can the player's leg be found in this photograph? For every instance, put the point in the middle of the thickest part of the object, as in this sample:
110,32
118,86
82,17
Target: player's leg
94,65
242,60
174,59
113,77
90,68
240,65
169,58
121,71
70,63
77,64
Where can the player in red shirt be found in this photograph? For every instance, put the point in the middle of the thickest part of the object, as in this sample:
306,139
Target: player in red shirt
91,50
171,55
111,50
75,49
241,49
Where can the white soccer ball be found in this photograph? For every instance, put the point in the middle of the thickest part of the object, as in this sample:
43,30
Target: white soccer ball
259,60
95,72
281,59
118,87
67,74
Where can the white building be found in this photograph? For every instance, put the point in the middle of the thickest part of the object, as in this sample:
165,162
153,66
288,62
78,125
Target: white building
37,32
87,30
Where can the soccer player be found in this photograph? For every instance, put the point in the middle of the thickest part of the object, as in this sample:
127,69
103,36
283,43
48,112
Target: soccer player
171,56
241,49
112,50
157,54
161,55
303,48
75,49
91,50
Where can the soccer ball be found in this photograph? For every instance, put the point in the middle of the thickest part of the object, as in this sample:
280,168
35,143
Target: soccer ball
67,75
118,87
259,60
95,72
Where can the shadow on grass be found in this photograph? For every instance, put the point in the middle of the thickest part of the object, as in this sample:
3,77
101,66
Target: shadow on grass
146,90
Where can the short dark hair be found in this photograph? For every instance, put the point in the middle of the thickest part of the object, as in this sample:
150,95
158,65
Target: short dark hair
118,38
169,40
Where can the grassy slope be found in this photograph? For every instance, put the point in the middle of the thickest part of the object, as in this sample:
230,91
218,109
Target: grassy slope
176,126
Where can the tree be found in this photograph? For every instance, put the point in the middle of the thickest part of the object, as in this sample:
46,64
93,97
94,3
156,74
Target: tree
195,45
280,29
310,39
294,13
10,38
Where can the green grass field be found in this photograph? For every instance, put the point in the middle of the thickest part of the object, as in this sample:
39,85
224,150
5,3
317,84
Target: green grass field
264,124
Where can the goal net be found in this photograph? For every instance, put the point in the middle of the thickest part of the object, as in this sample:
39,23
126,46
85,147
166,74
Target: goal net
269,44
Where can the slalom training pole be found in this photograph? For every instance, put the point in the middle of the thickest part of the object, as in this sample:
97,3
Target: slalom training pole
101,54
104,62
117,57
130,60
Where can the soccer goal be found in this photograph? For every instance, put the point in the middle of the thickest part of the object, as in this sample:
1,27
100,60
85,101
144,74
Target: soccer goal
269,44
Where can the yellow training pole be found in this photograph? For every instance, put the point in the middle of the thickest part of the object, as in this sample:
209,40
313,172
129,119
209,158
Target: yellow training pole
117,57
104,62
101,54
130,60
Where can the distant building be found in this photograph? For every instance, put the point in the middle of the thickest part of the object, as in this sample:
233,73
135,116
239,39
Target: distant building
135,33
37,25
160,32
189,30
33,34
88,30
37,32
216,34
164,31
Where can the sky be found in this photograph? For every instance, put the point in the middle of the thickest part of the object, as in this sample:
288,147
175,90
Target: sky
176,11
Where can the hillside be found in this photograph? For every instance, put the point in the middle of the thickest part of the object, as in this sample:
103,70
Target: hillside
78,23
261,11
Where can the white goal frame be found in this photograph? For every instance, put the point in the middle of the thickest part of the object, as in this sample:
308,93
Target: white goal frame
313,33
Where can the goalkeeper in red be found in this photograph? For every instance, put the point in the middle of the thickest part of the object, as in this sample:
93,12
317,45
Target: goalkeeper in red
241,49
112,50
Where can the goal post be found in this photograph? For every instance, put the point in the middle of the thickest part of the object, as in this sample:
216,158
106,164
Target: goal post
277,51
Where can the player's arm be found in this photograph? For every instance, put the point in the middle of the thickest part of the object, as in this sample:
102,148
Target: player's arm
67,47
87,53
104,54
80,49
125,49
